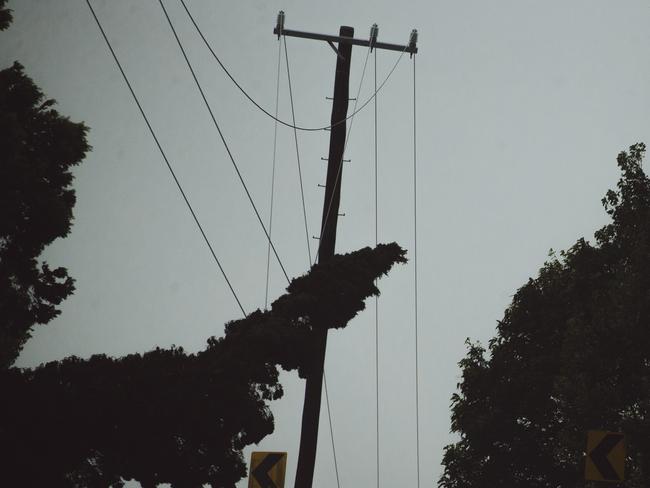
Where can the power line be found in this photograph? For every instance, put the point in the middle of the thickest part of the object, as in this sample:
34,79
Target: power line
162,152
216,124
415,279
275,140
295,136
329,416
376,297
294,126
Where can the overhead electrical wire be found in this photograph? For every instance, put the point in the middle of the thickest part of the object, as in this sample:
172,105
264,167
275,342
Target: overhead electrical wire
329,416
415,280
275,145
295,137
223,139
376,297
294,126
162,152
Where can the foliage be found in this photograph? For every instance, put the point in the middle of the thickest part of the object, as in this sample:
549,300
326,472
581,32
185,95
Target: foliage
168,416
5,15
38,147
571,355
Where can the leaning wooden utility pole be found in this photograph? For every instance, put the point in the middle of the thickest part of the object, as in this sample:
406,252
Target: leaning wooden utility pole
314,380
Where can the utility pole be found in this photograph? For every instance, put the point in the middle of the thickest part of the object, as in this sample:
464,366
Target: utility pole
314,380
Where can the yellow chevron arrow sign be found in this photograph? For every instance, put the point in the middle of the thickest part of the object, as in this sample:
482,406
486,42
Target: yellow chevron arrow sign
267,470
605,456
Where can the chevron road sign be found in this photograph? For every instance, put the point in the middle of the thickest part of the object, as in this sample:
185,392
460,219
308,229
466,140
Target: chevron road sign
267,470
605,456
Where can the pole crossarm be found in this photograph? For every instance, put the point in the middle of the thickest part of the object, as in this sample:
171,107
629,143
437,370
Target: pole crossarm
409,48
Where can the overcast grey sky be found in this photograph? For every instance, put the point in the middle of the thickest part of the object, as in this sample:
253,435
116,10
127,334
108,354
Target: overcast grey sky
522,108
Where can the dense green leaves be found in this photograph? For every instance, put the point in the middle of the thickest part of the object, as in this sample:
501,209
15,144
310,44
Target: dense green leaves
172,417
38,147
571,355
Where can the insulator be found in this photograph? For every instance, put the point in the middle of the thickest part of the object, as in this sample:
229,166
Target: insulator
413,40
374,32
280,26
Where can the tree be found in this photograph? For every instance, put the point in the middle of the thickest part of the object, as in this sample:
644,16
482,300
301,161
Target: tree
171,417
5,15
570,355
38,147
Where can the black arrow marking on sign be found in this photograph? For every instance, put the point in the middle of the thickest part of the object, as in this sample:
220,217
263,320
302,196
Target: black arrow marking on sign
261,471
599,455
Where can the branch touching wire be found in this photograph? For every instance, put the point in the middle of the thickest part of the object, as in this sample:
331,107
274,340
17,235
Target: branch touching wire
293,126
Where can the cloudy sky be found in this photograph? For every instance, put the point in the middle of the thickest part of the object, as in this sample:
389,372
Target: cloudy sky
522,107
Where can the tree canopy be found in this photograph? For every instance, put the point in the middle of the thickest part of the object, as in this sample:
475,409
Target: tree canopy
5,15
171,417
570,355
38,148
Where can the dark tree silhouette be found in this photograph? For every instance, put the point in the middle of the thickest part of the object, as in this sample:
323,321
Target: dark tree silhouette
171,417
38,147
5,15
571,354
